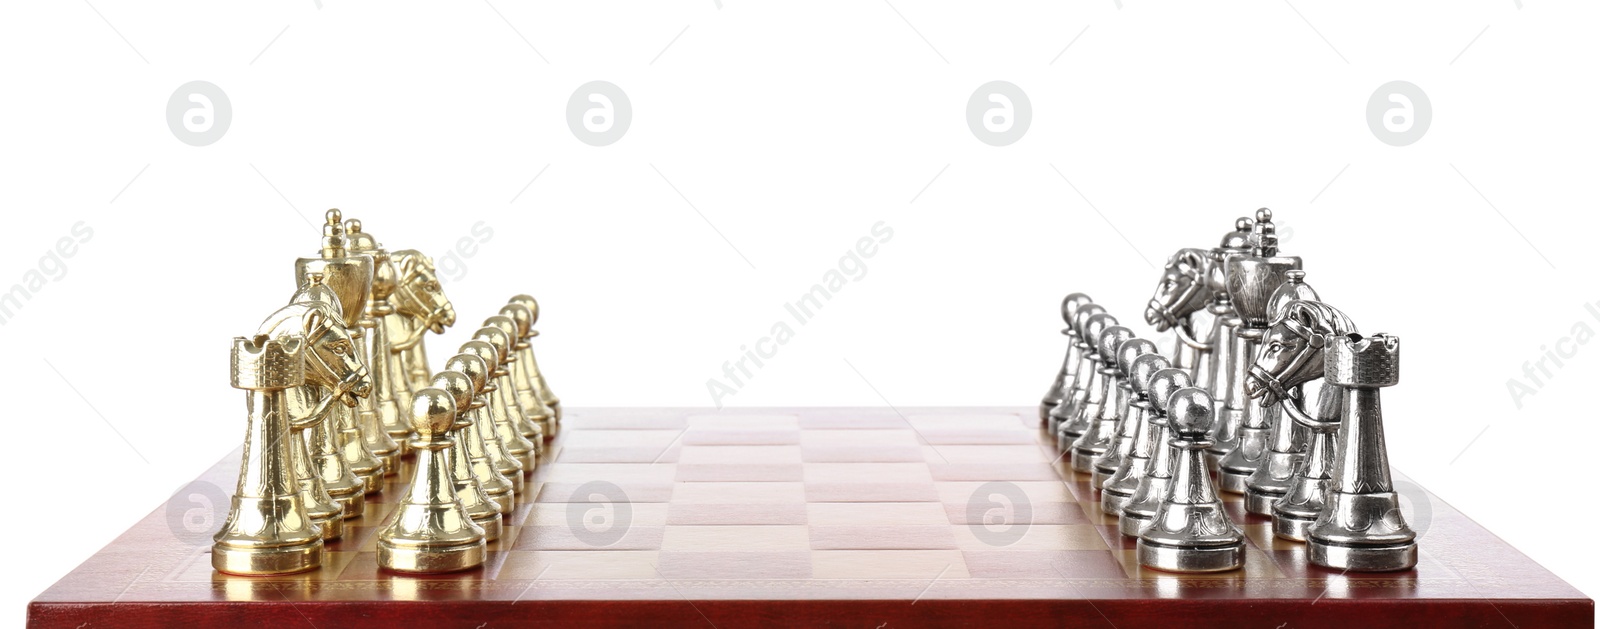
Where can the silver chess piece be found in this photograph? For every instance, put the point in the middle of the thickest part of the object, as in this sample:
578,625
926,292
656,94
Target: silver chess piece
1101,418
1119,487
1224,334
1292,355
1190,531
1107,463
1287,438
1180,306
1362,529
1140,508
1252,280
1069,367
1063,416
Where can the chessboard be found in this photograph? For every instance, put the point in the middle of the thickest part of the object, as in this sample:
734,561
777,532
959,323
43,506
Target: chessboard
874,518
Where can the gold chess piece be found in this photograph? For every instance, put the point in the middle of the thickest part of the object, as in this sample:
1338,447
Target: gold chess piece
268,530
535,376
528,424
507,417
508,466
430,530
315,315
421,300
337,449
499,489
379,410
483,511
397,331
533,408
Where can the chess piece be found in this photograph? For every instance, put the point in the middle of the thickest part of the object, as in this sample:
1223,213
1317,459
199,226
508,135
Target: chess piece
1362,528
268,530
315,314
1135,463
337,449
1069,366
1064,418
1224,362
1140,508
535,376
503,462
381,409
421,301
420,307
1306,496
430,530
1293,353
1107,463
541,418
1102,416
530,426
1252,280
496,487
507,416
1179,305
1190,531
483,510
1287,438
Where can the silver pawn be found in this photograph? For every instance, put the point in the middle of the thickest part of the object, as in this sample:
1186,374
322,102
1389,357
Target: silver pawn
1119,488
1065,379
1102,417
1064,417
1152,489
1107,463
1190,531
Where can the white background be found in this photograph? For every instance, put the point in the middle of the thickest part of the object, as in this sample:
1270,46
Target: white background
790,129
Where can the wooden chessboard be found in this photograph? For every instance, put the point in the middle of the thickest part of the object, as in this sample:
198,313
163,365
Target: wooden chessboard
801,517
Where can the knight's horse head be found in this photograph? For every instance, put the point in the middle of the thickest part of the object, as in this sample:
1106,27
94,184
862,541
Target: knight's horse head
1291,351
332,361
1184,289
418,295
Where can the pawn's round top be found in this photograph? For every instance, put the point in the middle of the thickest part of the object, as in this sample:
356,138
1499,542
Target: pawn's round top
1144,369
505,323
1264,215
1190,412
1110,338
1080,322
483,349
474,367
531,303
1239,238
1071,304
522,315
1130,351
500,340
433,412
458,385
1165,382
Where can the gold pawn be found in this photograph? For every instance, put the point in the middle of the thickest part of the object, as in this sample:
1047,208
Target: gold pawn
495,485
530,426
533,407
507,416
430,530
483,511
502,460
534,374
